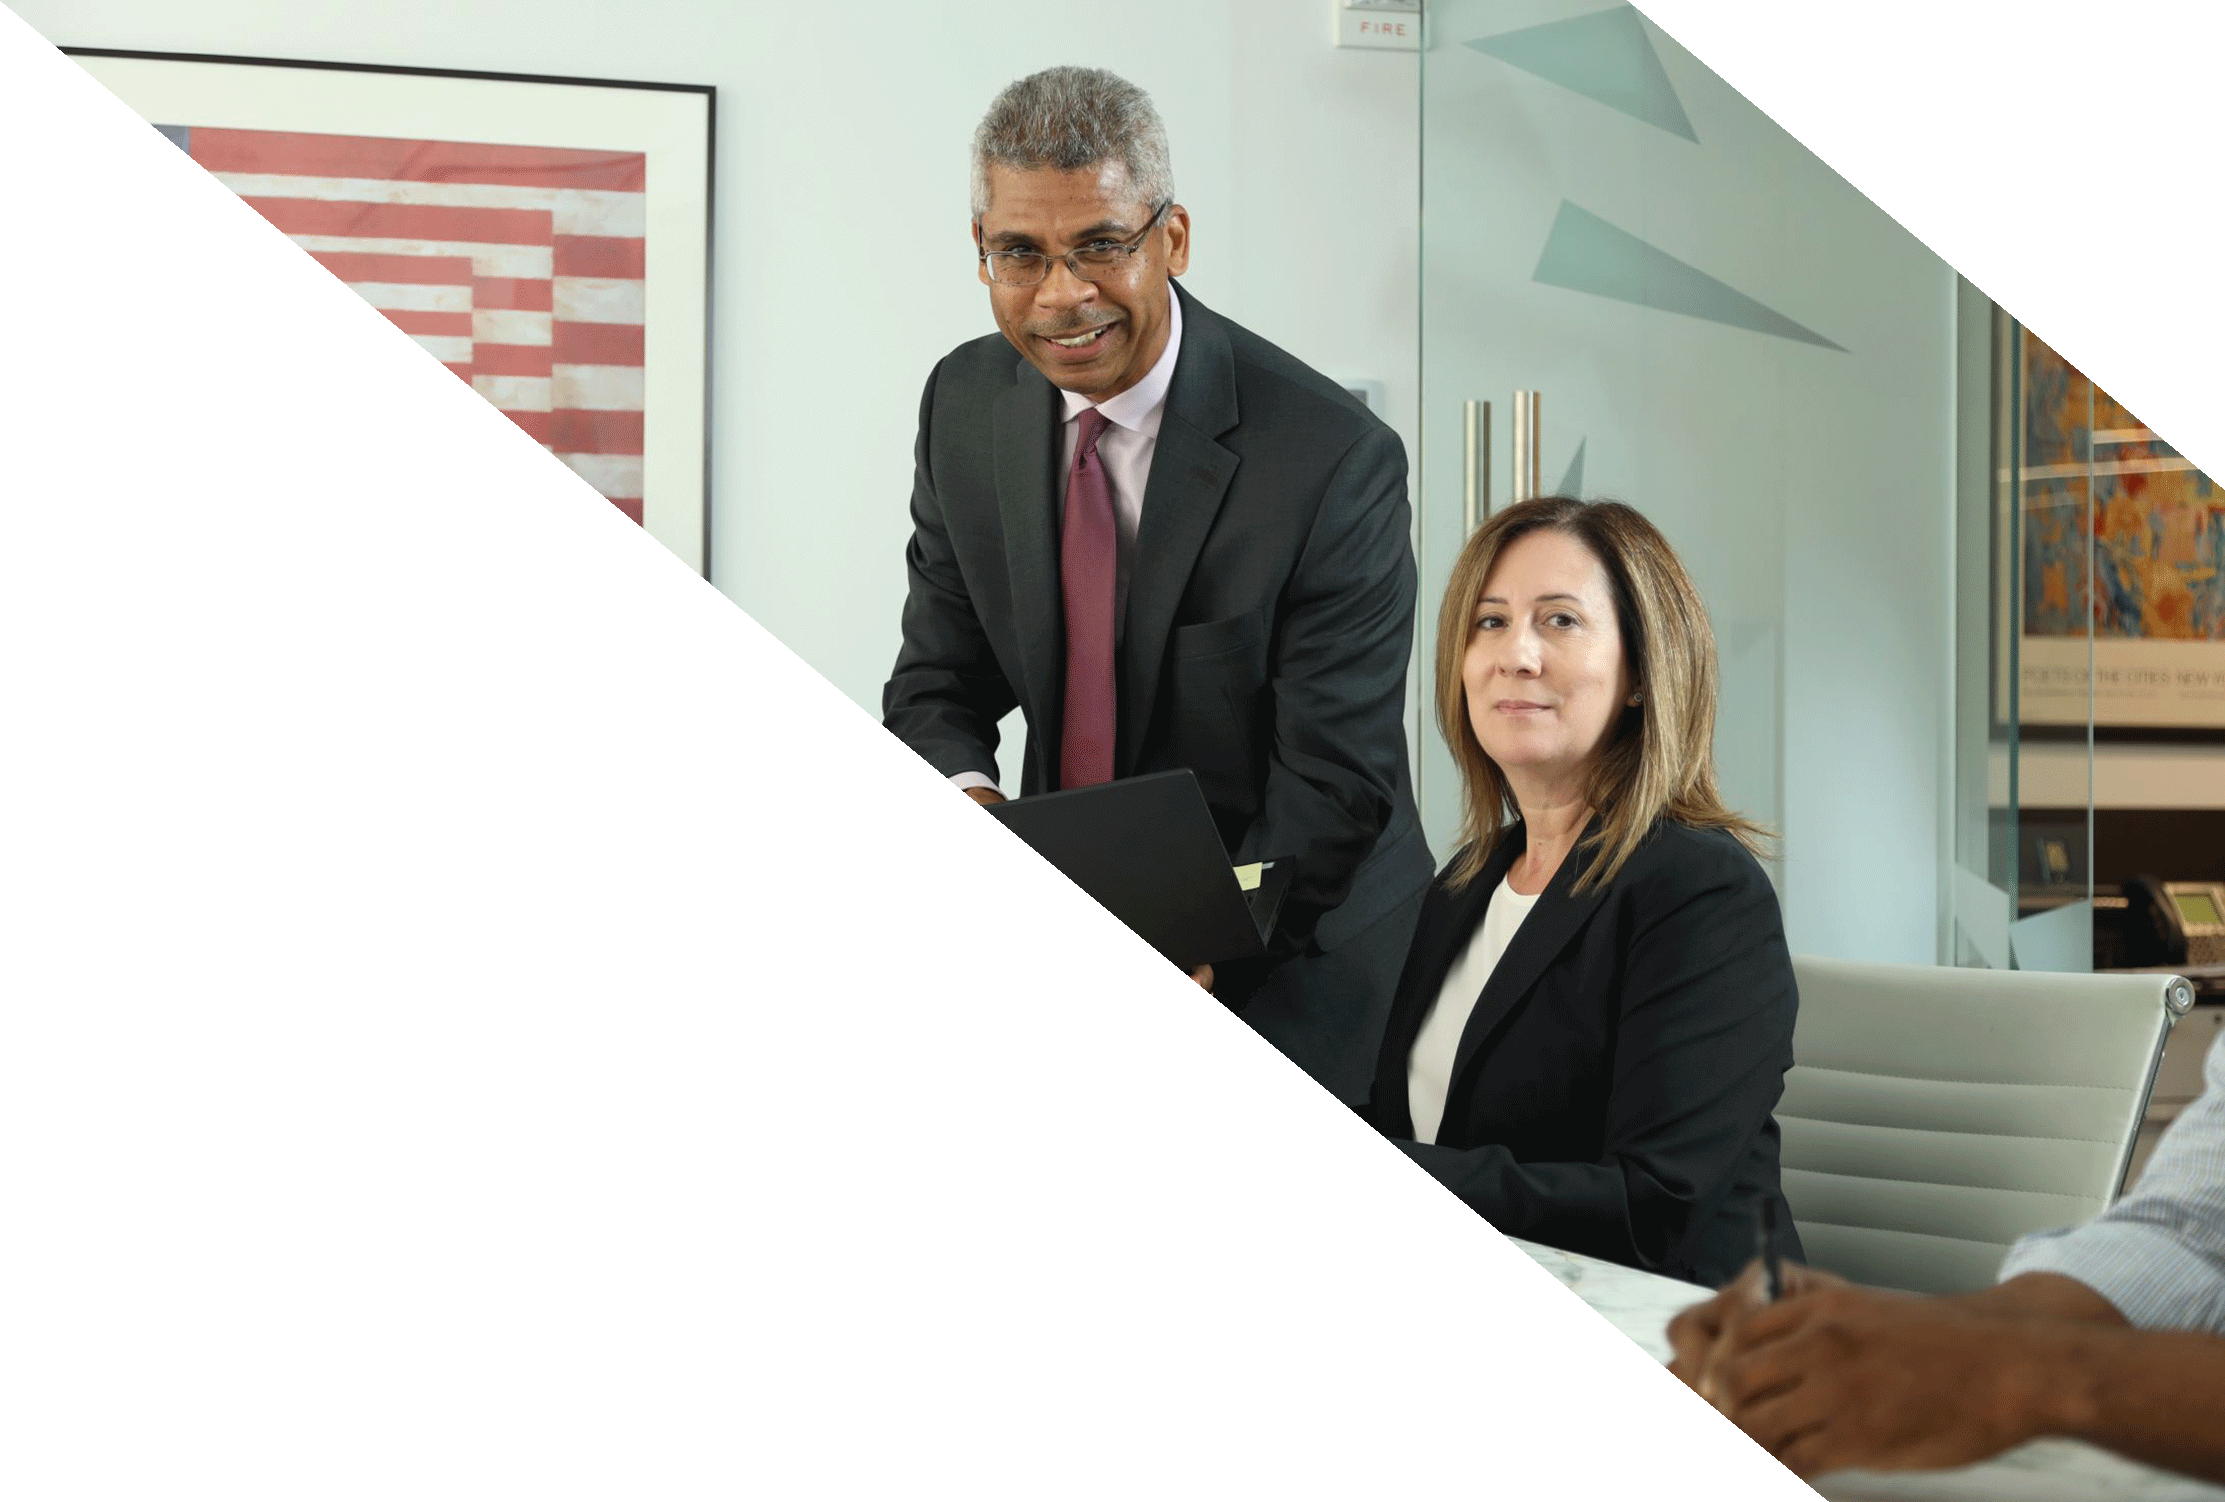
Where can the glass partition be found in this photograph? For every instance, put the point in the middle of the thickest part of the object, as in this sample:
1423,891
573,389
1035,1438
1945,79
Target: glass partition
2023,870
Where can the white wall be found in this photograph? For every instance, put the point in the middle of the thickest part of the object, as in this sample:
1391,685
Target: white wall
847,126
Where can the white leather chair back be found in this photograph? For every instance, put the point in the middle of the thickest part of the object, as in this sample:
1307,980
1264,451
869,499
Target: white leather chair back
1934,1115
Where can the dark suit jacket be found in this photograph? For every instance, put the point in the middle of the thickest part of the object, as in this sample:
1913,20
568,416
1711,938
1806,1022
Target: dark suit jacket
1269,613
1612,1091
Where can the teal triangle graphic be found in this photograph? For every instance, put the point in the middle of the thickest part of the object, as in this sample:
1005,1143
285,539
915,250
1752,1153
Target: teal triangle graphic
1585,253
1605,56
1572,481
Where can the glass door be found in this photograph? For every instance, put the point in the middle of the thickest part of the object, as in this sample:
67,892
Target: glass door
1723,333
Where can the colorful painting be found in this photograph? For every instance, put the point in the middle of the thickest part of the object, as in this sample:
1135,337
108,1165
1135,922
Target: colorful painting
2119,530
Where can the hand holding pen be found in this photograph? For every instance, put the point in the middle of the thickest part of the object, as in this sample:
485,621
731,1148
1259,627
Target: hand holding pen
1707,1332
1827,1375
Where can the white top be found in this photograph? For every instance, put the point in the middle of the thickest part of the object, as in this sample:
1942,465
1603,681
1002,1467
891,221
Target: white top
1125,448
1429,1066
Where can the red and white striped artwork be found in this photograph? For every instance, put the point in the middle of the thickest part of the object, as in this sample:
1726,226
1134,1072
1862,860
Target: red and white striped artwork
519,267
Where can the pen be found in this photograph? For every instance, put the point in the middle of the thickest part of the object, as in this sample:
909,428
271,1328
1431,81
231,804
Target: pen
1765,1242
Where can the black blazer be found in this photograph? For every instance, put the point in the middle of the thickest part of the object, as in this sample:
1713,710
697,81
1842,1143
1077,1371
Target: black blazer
1269,615
1612,1090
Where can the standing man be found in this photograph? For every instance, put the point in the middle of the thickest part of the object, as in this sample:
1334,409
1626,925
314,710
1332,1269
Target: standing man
1171,545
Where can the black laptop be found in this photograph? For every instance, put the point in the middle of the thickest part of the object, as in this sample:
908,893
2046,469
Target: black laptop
1146,849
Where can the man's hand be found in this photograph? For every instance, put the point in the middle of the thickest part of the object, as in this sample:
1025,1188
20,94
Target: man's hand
1833,1376
1708,1330
984,796
1203,975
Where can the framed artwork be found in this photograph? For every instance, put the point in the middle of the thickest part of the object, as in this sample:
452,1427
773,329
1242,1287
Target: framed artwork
547,239
2108,524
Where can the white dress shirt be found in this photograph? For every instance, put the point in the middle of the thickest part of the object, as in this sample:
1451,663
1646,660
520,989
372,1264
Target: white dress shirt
1125,448
1429,1063
2158,1254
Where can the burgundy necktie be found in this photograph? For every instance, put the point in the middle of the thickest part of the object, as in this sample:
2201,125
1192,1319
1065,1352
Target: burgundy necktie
1088,548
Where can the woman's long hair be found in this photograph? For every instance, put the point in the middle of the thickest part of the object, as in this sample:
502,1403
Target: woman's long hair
1658,760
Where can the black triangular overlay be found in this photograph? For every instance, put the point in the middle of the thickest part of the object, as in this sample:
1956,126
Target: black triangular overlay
2068,181
628,984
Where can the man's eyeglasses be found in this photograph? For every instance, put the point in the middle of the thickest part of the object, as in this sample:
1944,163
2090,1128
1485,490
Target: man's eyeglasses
1098,261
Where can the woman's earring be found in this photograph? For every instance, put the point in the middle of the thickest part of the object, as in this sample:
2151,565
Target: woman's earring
1637,698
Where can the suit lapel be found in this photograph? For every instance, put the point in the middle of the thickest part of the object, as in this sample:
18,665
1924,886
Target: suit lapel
1024,433
1555,920
1190,473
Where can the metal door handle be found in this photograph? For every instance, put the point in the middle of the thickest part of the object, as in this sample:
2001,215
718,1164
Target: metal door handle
1526,486
1476,487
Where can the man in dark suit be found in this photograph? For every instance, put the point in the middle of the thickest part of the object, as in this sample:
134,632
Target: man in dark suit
1170,544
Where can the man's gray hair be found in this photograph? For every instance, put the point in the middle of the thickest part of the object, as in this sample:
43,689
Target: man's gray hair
1071,118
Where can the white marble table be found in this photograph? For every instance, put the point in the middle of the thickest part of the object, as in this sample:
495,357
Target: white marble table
1640,1304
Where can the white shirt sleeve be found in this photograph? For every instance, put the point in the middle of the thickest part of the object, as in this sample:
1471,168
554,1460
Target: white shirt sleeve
2158,1254
963,780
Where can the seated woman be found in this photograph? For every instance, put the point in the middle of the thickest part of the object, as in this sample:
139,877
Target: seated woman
1596,1013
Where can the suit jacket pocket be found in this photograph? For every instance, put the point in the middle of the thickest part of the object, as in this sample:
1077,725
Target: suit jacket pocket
1212,638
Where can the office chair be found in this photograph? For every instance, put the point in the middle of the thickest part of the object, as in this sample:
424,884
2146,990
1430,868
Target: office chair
1934,1115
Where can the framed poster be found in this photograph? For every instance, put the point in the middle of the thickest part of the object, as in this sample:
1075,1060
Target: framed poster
2109,525
548,239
